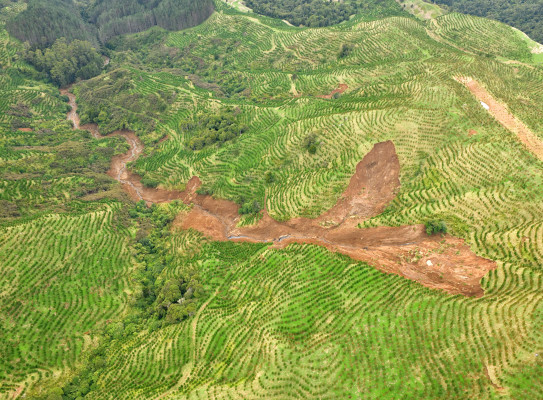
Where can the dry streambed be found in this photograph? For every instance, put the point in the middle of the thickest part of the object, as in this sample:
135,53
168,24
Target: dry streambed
438,262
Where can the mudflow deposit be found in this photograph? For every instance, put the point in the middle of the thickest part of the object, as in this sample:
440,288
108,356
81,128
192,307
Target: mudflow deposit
438,261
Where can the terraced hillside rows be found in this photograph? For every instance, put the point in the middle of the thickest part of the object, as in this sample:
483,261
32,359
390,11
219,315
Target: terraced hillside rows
457,162
86,274
372,109
303,323
62,278
64,256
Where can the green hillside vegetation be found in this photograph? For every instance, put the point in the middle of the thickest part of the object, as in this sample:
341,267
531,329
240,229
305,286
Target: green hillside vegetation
316,13
45,164
129,16
65,62
206,130
101,298
526,15
43,22
110,101
65,262
322,333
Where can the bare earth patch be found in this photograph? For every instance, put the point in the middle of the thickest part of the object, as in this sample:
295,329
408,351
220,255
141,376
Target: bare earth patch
504,117
342,87
438,262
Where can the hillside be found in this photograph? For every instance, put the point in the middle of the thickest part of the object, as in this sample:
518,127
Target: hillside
316,13
247,209
118,17
45,21
524,15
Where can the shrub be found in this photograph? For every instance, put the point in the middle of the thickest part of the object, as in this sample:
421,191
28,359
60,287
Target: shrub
311,143
269,177
345,50
435,227
150,182
207,130
65,62
250,207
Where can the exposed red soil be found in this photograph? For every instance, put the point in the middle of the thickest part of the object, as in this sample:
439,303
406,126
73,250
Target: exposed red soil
504,117
438,262
163,139
25,129
17,392
472,132
342,87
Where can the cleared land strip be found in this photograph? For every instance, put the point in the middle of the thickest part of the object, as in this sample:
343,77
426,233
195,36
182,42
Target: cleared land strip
504,117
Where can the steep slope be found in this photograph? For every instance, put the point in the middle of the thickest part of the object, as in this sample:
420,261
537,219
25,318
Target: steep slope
522,14
45,21
129,16
102,298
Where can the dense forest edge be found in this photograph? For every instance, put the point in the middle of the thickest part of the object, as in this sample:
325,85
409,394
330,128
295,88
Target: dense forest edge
526,15
63,40
318,13
43,22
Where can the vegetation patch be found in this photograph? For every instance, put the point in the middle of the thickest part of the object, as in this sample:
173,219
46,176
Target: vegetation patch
522,14
65,62
117,17
433,227
206,129
45,21
316,13
111,102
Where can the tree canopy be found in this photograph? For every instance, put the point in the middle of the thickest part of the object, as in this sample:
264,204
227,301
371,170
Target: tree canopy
526,15
45,21
208,129
65,62
117,17
321,12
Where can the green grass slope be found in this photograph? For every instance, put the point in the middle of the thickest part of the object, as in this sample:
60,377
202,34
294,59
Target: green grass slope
294,323
304,323
62,278
64,253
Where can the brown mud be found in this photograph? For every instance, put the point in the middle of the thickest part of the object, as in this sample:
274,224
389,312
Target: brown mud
438,262
342,87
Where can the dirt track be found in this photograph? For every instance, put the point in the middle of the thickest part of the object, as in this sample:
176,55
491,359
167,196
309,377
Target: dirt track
438,262
504,117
